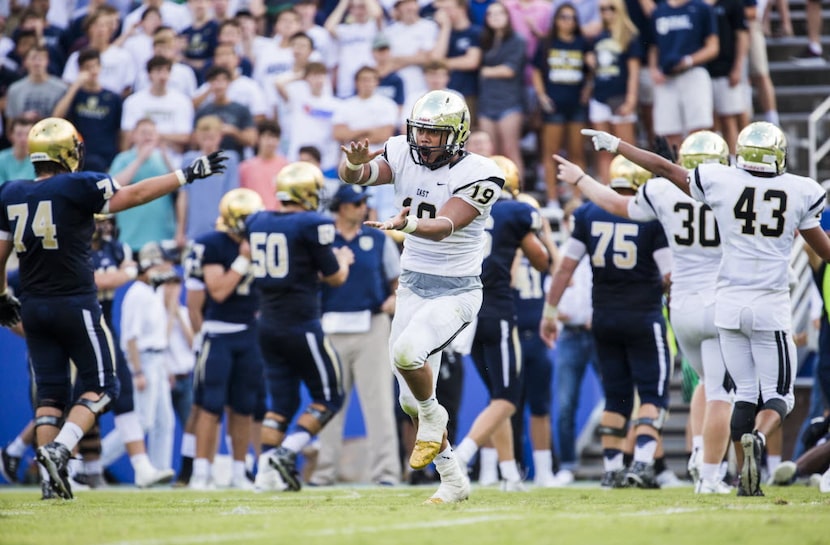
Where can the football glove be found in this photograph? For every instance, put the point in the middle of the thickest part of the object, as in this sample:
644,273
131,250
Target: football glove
9,310
204,166
602,140
664,149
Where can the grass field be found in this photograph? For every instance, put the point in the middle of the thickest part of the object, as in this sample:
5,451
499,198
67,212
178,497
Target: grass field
584,515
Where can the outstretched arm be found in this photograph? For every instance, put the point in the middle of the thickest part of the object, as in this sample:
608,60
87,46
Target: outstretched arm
602,195
362,167
658,166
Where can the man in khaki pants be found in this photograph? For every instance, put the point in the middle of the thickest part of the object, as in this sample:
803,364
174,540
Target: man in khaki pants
356,319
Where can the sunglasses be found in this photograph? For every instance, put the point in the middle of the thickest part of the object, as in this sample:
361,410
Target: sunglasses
566,17
608,8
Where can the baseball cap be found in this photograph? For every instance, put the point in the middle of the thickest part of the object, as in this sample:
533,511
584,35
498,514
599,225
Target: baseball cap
347,193
380,41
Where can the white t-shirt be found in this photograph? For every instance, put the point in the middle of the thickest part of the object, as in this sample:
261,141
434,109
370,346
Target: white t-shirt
757,218
405,40
143,318
117,69
475,179
245,91
140,46
359,113
691,232
176,16
172,112
182,79
354,51
310,123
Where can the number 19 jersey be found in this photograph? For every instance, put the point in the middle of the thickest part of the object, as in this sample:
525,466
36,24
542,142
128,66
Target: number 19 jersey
475,179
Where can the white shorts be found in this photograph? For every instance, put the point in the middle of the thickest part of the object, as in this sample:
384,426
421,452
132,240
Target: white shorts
693,321
684,103
421,328
599,112
645,91
728,100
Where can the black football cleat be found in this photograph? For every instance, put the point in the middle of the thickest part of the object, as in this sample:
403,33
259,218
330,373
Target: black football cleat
285,462
614,479
641,475
46,492
753,448
9,465
54,457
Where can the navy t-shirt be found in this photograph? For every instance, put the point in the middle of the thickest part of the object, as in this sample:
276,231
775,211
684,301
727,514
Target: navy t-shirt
562,65
611,73
97,116
681,31
367,287
463,81
51,224
200,41
108,257
391,86
626,277
731,20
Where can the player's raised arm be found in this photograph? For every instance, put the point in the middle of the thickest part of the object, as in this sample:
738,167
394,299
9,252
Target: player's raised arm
602,195
659,166
362,167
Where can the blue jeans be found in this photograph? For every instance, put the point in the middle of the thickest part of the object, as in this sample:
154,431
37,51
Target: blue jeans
182,395
574,350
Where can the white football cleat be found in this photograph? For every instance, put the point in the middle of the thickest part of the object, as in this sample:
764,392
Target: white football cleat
151,477
267,478
452,491
513,486
564,477
695,464
712,487
201,483
824,484
241,483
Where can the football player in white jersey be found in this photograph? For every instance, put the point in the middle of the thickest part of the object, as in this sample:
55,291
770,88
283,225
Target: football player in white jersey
445,195
758,207
695,244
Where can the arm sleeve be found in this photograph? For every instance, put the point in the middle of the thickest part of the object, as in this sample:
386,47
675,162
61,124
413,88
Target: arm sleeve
574,249
481,194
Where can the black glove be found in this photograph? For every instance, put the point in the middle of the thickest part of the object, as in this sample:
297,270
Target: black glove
204,166
664,149
9,310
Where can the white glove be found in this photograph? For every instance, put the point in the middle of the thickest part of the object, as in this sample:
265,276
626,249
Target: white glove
602,140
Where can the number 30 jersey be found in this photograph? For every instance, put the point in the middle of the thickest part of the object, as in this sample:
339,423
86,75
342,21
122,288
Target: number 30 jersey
51,223
691,231
757,218
475,179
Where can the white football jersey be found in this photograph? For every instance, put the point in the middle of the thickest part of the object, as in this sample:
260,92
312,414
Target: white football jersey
757,219
475,179
691,232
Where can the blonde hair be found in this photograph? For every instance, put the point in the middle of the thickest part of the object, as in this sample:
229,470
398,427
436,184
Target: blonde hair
209,123
622,29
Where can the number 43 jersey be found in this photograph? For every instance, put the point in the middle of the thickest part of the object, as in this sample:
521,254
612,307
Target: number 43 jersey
691,231
475,179
50,223
757,218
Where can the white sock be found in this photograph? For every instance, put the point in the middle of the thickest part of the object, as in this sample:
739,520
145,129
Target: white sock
772,463
488,459
229,445
697,442
772,117
466,450
238,469
645,452
69,435
93,467
141,462
427,406
613,463
16,448
815,47
709,472
129,427
297,440
542,463
188,445
509,471
447,466
722,470
201,468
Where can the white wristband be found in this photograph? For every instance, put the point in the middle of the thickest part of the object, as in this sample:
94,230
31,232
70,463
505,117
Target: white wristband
549,312
131,272
180,175
241,265
352,166
410,225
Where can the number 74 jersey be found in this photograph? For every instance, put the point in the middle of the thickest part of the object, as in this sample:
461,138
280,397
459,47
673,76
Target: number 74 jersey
757,218
475,179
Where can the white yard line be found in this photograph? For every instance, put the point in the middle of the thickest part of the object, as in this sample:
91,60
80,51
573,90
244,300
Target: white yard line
411,525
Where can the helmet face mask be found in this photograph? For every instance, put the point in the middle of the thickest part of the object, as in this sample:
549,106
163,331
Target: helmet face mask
300,183
56,140
236,205
703,147
625,174
762,149
437,128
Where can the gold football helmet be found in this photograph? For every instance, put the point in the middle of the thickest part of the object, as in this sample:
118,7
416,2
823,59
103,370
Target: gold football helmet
528,199
511,174
235,206
300,183
443,111
762,147
626,174
56,140
703,147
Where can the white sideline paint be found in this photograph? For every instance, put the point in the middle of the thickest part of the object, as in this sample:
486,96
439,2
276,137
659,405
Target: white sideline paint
412,526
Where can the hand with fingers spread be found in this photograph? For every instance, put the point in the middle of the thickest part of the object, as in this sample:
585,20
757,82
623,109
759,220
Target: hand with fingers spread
602,140
205,166
357,153
396,223
568,172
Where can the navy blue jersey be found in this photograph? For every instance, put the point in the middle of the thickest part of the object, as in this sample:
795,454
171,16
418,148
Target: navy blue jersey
289,251
367,286
681,31
730,17
391,86
463,81
218,248
529,295
108,257
611,73
97,116
562,66
51,223
200,41
621,251
507,225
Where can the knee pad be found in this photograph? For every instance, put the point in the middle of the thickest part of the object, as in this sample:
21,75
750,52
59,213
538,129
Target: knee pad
613,432
53,404
404,356
777,405
743,419
48,420
656,423
274,424
96,407
322,416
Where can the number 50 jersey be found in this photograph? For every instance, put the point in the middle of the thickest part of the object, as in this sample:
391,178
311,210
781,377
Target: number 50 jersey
475,179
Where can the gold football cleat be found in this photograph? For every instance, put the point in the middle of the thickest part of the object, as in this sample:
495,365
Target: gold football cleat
424,453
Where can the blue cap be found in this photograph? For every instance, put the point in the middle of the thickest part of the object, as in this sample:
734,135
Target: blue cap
349,194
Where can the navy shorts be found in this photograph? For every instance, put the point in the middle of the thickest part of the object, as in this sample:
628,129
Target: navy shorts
495,352
230,372
566,114
538,370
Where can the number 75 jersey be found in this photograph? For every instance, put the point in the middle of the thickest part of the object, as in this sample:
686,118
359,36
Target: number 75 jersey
475,179
757,218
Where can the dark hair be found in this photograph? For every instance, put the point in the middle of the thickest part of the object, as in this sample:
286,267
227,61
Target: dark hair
22,120
434,65
314,151
366,68
157,61
315,68
216,71
88,54
30,33
552,35
148,11
227,22
488,35
269,127
48,168
30,13
301,34
38,48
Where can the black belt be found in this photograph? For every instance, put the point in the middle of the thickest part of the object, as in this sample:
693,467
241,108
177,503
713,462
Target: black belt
154,350
576,328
